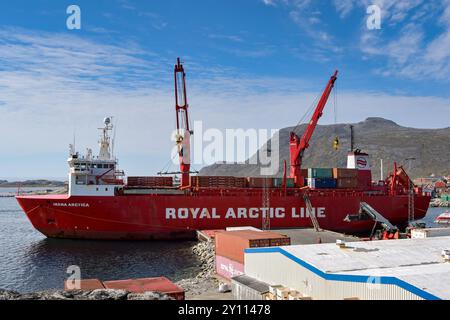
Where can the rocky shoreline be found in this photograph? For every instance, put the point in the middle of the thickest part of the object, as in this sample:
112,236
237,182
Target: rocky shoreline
99,294
204,281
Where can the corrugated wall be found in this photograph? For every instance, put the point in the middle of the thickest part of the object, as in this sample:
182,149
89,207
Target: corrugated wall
274,268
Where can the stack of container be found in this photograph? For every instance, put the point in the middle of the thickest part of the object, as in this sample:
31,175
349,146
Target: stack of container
218,182
259,182
346,178
321,178
150,181
230,246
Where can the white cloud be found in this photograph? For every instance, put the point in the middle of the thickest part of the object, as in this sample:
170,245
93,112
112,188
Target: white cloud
412,52
51,84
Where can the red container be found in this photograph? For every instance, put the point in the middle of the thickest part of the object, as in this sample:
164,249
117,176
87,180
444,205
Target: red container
258,182
231,244
218,182
228,268
347,183
150,181
364,178
85,285
162,285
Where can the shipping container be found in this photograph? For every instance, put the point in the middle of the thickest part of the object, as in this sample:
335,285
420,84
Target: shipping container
259,182
339,173
231,244
228,268
161,284
320,173
150,181
85,285
364,179
322,183
347,183
246,288
278,182
218,182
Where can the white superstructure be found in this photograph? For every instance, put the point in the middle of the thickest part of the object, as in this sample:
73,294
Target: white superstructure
95,176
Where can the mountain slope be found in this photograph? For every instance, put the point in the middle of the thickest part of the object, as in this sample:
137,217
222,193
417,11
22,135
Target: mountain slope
381,138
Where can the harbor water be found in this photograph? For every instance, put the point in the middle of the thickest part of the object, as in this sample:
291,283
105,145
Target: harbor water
30,262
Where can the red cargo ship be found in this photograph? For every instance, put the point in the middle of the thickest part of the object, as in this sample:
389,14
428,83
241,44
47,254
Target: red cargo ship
102,204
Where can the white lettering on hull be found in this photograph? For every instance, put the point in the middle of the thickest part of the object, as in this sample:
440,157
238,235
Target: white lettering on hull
242,213
70,204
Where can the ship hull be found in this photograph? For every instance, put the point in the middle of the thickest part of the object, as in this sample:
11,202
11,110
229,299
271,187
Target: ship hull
149,217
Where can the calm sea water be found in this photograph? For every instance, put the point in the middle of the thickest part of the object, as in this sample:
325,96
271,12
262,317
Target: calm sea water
30,262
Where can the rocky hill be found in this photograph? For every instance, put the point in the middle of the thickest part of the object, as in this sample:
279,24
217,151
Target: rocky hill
31,183
381,138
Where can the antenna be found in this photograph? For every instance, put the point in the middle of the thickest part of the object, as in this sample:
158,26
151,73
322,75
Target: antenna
114,140
352,139
74,139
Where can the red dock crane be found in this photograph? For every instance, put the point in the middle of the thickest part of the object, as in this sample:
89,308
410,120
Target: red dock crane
298,146
183,136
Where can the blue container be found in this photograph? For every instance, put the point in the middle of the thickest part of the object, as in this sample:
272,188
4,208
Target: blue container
322,183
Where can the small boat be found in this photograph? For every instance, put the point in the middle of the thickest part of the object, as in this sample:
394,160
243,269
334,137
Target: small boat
443,218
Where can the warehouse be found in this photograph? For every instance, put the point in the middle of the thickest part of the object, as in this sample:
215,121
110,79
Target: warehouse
406,269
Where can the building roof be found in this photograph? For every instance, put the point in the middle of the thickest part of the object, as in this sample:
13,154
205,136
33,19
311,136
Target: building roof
414,264
254,284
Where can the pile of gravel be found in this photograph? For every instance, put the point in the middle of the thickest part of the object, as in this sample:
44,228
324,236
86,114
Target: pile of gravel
99,294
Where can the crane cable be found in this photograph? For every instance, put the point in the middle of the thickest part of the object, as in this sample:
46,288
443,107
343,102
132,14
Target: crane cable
308,111
336,143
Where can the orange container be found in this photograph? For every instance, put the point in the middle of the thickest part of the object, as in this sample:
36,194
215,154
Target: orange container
231,244
85,285
339,173
161,284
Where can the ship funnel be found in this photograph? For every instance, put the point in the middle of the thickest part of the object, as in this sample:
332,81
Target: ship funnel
358,160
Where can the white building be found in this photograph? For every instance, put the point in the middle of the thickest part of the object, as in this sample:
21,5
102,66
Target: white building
368,270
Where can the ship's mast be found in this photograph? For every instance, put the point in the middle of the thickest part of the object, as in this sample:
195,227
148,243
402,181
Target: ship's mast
105,140
183,131
298,146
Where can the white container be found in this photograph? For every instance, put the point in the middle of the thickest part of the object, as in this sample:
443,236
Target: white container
311,183
429,232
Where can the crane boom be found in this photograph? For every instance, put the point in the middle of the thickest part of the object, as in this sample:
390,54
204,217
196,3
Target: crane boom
298,146
183,131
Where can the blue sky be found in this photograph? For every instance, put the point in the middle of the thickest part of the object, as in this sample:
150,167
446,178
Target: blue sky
250,64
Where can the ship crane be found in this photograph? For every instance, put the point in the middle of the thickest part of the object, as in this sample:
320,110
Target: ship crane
183,132
298,146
